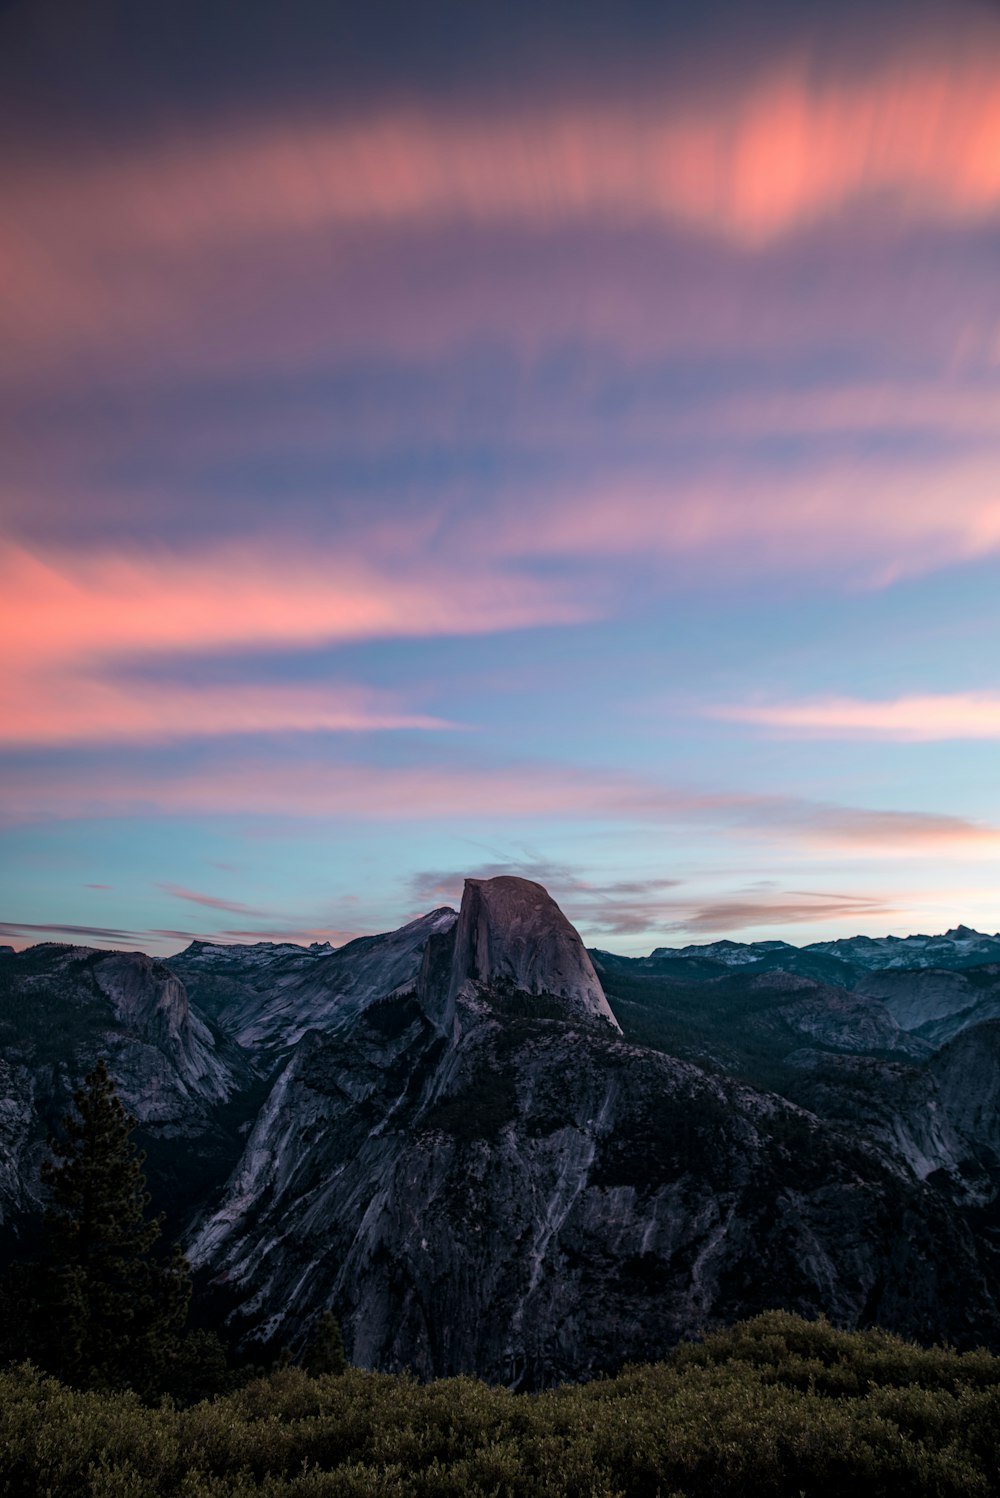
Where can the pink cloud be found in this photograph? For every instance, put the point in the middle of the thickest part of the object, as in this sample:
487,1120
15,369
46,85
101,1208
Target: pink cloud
873,521
67,619
65,708
920,718
734,914
848,830
235,907
778,151
448,793
34,933
81,607
95,247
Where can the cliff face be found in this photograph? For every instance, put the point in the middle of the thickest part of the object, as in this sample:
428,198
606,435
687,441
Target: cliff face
268,998
936,1004
451,1141
481,1175
512,934
62,1007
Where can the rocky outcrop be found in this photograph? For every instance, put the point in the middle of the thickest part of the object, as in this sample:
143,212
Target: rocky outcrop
538,1200
966,1076
267,1005
62,1008
454,1145
512,934
481,1175
936,1003
960,947
842,1020
20,1146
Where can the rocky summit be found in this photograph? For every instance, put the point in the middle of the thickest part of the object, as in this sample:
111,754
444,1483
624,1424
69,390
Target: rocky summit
491,1151
512,934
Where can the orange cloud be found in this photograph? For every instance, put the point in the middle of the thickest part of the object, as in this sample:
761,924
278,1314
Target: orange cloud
738,914
65,621
932,716
83,608
69,708
849,830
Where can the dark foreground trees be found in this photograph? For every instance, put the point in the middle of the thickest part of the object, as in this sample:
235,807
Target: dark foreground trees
103,1308
324,1351
114,1310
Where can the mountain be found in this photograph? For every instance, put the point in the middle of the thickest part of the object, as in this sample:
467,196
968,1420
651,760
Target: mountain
482,1173
267,997
936,1004
490,1151
61,1008
959,948
842,961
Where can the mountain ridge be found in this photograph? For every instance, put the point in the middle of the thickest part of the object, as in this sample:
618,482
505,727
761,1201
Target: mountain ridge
439,1133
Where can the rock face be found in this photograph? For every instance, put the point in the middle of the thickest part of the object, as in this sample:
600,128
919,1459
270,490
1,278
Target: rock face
63,1007
511,933
490,1153
934,1003
481,1175
268,999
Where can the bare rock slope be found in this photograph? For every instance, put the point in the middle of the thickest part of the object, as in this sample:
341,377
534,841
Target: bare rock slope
62,1007
480,1175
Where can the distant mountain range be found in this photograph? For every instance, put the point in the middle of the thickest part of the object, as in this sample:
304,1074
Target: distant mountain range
492,1151
961,947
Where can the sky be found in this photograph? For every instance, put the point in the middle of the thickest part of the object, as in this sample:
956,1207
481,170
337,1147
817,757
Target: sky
455,439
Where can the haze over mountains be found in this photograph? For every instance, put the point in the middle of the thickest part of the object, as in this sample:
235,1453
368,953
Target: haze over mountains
492,1151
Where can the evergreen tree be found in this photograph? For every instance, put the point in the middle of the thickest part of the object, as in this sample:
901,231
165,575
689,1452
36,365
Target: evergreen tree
324,1351
116,1311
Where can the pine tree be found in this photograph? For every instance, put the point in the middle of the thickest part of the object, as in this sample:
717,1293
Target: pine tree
116,1311
324,1351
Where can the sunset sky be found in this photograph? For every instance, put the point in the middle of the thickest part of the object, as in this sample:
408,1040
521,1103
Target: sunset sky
444,439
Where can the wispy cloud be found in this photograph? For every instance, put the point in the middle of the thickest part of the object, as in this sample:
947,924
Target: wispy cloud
17,929
64,708
618,906
781,149
728,915
75,608
102,245
780,521
212,902
297,933
159,940
453,791
69,620
932,716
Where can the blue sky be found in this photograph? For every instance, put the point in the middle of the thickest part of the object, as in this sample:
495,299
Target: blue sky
500,443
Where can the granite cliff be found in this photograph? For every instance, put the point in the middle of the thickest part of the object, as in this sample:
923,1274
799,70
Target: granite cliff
62,1007
490,1151
480,1173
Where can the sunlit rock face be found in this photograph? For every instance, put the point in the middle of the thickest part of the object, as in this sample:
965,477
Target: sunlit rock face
64,1006
512,934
